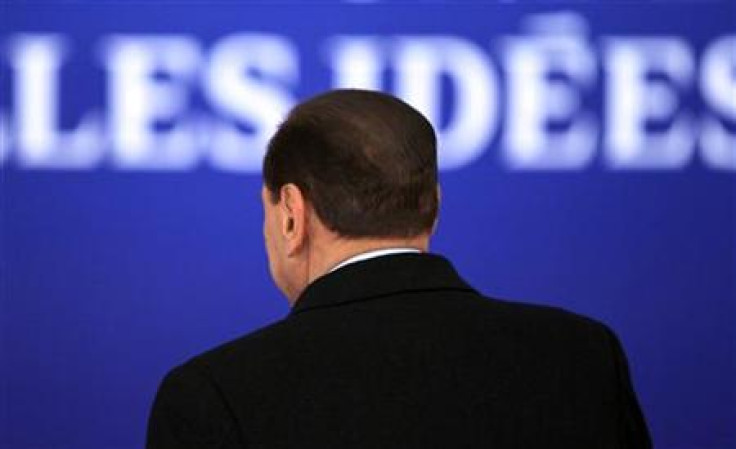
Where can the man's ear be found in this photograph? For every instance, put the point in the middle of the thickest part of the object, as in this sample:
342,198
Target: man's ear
293,216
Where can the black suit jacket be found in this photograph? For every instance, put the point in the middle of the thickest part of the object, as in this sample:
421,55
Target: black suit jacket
399,352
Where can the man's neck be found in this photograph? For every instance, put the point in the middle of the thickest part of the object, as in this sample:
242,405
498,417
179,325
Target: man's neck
344,249
373,254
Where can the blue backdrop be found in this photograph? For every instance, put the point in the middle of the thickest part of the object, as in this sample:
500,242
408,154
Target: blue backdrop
588,161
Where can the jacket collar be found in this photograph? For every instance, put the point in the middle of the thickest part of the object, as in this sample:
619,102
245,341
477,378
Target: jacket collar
380,276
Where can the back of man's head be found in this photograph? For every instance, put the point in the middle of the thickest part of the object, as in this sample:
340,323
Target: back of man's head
366,162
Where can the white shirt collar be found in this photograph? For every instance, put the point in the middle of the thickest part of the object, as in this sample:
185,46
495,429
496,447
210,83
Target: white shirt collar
372,254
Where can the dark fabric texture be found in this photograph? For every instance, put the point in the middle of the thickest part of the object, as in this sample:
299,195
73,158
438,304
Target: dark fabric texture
399,352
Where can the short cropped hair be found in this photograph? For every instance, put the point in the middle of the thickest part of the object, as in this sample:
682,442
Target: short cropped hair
366,162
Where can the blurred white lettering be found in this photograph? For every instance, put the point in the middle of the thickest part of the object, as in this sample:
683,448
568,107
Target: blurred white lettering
718,85
36,61
474,115
644,77
545,74
357,62
249,78
174,105
149,81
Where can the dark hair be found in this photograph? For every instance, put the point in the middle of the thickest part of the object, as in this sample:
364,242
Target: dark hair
366,162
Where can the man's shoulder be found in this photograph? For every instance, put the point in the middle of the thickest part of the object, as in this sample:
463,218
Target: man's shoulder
520,320
528,313
262,342
546,321
204,375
